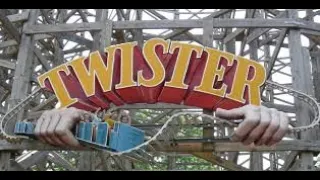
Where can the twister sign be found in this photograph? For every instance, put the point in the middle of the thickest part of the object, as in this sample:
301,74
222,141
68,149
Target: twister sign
162,71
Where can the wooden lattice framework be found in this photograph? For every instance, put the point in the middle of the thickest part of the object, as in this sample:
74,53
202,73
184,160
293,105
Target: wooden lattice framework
286,41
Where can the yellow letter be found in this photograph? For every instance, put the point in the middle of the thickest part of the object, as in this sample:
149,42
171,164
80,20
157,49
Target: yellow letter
241,80
182,63
211,71
154,62
57,84
126,72
96,68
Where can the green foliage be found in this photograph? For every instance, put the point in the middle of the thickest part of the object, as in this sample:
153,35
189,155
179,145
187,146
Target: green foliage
149,167
195,164
190,163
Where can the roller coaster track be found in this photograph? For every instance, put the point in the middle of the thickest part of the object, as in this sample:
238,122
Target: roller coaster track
166,133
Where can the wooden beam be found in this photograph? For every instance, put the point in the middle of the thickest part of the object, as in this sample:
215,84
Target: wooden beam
255,33
8,43
310,32
175,32
43,61
7,64
18,17
273,11
3,97
9,27
37,37
217,23
259,31
237,32
4,160
78,39
49,28
267,41
155,13
315,61
52,99
173,24
14,166
217,14
61,161
45,16
84,19
181,37
188,147
233,35
272,61
294,145
69,15
169,24
289,160
68,36
80,49
34,114
33,159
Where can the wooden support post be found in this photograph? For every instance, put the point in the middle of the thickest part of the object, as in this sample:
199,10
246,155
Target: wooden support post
4,159
23,71
41,165
256,157
230,47
58,49
208,132
8,26
315,63
85,161
138,36
171,162
22,75
302,82
14,166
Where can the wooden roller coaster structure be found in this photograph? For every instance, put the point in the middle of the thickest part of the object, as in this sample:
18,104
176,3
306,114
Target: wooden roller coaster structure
36,38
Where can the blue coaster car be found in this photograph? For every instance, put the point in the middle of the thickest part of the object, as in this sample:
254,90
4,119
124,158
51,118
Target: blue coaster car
98,134
124,137
24,128
93,133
